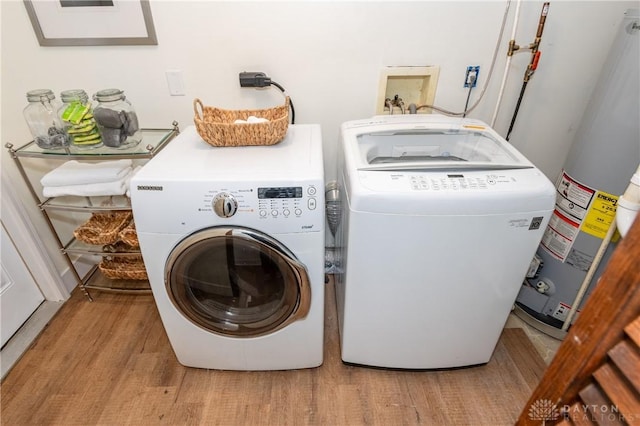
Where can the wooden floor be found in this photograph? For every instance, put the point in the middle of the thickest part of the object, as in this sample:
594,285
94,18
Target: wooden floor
109,362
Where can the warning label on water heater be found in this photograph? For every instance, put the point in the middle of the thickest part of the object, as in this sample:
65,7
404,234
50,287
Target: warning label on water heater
601,215
573,197
578,208
560,233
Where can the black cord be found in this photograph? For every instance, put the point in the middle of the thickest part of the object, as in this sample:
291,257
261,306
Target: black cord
472,82
293,110
466,105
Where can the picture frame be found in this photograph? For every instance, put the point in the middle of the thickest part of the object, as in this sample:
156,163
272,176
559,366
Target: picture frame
91,22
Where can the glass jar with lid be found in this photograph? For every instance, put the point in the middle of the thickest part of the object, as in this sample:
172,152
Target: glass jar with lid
76,115
117,119
41,115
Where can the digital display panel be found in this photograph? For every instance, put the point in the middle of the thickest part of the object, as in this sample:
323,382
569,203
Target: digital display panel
283,192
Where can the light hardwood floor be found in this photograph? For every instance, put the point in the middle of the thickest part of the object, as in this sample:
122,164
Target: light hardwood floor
109,362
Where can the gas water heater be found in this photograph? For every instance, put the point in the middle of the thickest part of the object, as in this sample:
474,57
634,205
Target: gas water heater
604,155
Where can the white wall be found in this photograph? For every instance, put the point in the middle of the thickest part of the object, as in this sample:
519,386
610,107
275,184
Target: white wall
328,55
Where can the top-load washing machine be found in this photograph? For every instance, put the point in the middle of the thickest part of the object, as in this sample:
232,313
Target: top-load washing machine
233,243
441,218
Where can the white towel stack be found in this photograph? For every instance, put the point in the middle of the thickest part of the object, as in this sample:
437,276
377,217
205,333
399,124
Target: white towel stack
128,184
88,179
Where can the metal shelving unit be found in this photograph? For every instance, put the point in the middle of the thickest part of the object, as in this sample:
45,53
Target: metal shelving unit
154,140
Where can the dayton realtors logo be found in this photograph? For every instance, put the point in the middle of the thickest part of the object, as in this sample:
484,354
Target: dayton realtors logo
545,410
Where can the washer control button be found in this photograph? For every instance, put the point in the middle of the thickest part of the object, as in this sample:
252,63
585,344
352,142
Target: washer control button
311,203
311,190
286,212
274,213
225,204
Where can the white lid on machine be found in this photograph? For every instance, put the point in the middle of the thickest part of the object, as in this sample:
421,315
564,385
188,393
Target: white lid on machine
428,142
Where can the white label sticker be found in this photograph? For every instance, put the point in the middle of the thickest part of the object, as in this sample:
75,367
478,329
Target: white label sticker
559,235
572,196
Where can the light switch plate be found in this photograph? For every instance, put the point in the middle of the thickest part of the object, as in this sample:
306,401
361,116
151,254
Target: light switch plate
175,81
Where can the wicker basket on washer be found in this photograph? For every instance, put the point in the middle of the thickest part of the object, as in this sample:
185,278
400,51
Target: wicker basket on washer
218,128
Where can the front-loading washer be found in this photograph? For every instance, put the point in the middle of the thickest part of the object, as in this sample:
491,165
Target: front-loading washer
233,243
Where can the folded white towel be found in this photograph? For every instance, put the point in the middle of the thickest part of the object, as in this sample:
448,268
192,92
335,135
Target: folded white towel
251,119
117,187
254,119
128,183
75,173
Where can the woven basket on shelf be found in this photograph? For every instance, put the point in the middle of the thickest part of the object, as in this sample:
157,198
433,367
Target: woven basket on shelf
123,268
119,247
216,126
129,235
102,228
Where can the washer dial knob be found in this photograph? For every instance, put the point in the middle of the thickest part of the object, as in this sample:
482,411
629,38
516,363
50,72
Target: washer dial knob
225,204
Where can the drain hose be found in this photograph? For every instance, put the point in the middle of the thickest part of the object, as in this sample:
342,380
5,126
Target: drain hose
333,206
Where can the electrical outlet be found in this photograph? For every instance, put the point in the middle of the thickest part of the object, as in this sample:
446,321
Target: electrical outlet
471,77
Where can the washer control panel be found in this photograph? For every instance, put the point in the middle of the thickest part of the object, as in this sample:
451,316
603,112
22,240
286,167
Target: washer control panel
286,201
425,182
273,202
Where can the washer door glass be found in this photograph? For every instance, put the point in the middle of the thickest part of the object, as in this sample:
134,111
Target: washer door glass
237,282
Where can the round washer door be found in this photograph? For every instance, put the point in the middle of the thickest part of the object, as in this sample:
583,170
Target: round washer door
237,282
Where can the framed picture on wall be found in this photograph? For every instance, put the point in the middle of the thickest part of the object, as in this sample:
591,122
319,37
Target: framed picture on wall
91,22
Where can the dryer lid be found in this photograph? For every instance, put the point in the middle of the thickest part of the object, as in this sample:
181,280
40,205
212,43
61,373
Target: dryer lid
450,144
